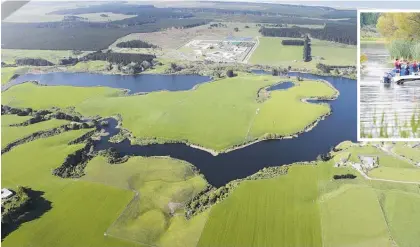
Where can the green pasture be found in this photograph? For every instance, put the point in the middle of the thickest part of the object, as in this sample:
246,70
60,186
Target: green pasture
270,51
307,207
10,55
80,211
403,215
343,212
14,133
160,182
394,173
41,97
216,115
8,72
261,213
410,153
7,120
83,210
88,66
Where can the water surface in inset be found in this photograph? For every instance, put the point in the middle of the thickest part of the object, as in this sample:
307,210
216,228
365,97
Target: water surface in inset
386,110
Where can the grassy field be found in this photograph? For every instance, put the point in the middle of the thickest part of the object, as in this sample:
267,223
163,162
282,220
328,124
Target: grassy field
341,218
79,211
411,153
39,97
13,133
216,115
10,55
160,183
260,213
271,52
8,72
89,66
402,212
307,207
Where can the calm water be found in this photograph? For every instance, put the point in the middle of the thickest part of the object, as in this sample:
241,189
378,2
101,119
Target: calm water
281,86
135,83
220,169
394,103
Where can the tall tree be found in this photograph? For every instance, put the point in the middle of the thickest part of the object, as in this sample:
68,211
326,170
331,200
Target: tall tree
404,26
307,49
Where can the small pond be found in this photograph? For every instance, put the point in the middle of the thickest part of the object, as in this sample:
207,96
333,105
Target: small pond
281,86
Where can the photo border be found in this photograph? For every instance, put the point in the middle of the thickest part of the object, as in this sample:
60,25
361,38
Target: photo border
359,138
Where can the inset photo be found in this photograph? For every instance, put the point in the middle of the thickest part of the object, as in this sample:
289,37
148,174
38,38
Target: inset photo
389,78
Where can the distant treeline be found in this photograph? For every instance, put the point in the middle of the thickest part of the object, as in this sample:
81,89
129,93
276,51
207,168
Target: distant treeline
135,44
368,19
33,62
88,37
341,33
119,58
292,42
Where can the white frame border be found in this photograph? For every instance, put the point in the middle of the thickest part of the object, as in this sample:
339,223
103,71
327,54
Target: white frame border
359,138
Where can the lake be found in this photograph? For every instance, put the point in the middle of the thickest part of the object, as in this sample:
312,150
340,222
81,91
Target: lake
142,83
240,163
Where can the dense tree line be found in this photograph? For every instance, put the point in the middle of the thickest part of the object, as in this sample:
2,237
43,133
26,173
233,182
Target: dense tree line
119,58
85,37
135,44
307,49
342,33
292,42
368,19
33,62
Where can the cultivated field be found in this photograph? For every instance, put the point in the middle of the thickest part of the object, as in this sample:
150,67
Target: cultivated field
193,116
270,51
322,210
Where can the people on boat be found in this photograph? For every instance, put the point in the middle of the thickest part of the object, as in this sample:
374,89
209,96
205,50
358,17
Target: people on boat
402,68
415,67
407,68
397,64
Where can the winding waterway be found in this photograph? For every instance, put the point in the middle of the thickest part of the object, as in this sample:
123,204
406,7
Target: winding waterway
225,167
142,83
383,107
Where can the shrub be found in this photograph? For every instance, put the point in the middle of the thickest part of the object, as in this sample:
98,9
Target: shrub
292,42
344,176
230,73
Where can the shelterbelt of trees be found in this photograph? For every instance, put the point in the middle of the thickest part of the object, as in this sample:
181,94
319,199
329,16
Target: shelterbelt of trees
342,33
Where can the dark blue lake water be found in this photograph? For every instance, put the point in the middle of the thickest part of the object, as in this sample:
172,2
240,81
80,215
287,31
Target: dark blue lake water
220,169
142,83
281,86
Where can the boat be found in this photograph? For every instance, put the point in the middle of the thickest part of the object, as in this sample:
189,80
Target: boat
394,77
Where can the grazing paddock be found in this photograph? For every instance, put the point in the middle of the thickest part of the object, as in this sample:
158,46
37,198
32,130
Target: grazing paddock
403,214
14,133
342,214
270,51
260,213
